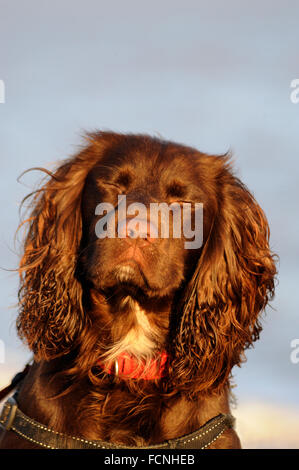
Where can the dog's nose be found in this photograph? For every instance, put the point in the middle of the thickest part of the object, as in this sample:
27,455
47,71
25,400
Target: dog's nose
137,228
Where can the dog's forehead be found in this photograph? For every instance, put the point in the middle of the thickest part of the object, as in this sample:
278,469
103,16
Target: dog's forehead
146,164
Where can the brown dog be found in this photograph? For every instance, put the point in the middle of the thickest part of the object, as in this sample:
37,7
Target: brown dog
135,337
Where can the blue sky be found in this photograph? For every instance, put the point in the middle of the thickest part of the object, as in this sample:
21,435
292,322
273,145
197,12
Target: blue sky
214,75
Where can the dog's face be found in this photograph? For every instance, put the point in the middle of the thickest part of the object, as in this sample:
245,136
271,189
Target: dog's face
212,293
140,257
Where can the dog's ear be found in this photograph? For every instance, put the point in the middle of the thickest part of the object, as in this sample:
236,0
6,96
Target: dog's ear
231,285
50,297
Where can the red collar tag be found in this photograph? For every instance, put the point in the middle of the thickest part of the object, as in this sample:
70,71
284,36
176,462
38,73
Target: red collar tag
128,367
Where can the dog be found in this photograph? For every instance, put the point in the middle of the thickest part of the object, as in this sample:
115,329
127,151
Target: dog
135,335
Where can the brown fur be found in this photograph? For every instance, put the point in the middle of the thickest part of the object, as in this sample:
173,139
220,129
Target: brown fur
77,302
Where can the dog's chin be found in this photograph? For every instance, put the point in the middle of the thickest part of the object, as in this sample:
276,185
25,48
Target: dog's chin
128,274
129,279
125,278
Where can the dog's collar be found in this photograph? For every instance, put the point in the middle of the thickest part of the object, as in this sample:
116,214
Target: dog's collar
126,366
13,419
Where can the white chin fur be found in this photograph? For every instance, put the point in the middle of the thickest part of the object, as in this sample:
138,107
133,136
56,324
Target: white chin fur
139,341
124,273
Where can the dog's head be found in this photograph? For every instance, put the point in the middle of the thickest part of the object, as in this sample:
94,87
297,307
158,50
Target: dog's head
137,203
161,223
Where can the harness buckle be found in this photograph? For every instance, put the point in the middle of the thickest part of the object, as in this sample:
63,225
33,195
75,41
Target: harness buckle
8,413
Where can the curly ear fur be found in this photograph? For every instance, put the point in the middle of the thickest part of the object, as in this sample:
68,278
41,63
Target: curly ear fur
50,296
232,284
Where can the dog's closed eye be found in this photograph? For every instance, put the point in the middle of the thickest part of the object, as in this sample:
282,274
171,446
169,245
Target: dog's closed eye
176,190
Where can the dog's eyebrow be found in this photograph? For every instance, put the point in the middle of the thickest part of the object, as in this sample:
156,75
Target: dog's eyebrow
101,183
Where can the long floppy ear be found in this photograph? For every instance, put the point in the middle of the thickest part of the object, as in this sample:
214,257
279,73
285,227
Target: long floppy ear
50,297
231,285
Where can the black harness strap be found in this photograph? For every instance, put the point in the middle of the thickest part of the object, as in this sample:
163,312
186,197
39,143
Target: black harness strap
12,418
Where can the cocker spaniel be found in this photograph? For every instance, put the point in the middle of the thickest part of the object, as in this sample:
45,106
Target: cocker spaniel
146,267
